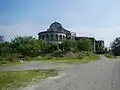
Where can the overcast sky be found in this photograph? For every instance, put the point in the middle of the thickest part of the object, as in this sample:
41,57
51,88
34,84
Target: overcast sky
97,18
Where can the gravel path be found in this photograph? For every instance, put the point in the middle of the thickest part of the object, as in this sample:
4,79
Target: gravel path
35,65
100,75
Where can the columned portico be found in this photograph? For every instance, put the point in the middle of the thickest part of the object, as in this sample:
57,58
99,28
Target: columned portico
55,34
52,36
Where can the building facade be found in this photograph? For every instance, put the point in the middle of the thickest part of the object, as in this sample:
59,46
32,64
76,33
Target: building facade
100,46
56,34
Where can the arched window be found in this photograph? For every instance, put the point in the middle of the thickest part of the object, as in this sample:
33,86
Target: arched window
56,37
47,37
52,37
63,37
43,37
60,37
39,37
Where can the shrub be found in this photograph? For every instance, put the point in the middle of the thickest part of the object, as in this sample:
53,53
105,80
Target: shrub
89,53
80,55
110,55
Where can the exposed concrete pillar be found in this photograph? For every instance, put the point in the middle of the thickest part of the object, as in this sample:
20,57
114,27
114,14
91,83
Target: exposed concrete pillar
54,38
50,36
58,37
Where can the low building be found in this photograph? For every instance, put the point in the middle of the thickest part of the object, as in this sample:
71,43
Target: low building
56,33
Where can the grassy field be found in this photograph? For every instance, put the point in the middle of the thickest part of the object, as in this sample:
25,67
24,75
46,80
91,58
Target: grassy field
9,63
13,80
58,60
67,59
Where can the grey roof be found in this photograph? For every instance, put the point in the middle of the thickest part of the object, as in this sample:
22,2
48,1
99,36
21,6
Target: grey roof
56,24
59,29
85,37
50,32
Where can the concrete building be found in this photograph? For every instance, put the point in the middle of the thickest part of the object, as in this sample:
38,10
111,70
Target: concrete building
99,46
56,33
100,43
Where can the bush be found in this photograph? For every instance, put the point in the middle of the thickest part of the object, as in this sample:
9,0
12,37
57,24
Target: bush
81,55
83,45
89,53
110,55
9,58
115,47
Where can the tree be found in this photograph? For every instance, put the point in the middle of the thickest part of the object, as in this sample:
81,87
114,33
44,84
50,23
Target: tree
67,45
100,49
105,50
115,47
84,45
51,48
5,48
27,46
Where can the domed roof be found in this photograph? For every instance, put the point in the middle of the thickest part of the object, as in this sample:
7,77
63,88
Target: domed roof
55,26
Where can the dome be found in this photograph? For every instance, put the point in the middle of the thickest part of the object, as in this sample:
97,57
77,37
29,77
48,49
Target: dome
56,26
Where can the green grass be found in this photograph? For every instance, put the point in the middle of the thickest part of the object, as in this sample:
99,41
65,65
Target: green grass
9,63
14,80
110,56
83,57
66,59
84,60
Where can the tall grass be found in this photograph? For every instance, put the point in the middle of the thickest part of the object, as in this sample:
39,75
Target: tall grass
13,80
111,56
74,57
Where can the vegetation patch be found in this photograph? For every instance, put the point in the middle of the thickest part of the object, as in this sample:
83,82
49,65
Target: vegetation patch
68,57
9,63
110,56
28,48
13,80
